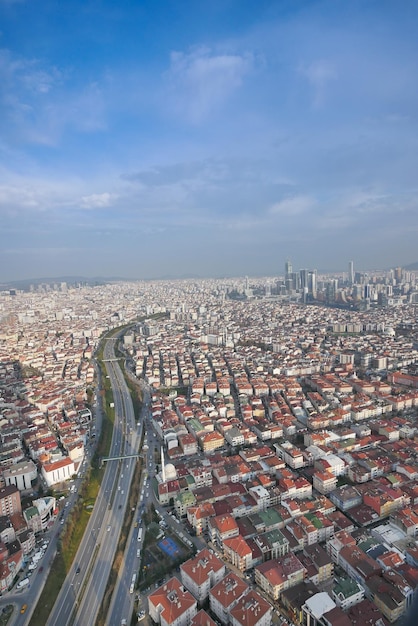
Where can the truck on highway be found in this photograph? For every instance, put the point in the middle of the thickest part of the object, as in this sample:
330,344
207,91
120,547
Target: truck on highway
133,581
139,534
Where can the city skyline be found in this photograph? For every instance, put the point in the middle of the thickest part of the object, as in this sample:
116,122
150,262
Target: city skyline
206,139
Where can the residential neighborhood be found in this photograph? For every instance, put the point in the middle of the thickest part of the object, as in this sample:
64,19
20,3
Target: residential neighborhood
288,434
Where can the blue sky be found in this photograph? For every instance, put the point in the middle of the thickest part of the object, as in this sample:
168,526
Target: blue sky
150,138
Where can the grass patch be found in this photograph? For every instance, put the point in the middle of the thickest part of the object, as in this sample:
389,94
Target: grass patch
50,592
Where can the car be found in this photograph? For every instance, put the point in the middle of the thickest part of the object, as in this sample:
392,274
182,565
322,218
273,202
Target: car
77,571
109,528
24,607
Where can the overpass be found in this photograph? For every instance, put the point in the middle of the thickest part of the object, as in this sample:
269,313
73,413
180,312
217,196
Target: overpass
119,458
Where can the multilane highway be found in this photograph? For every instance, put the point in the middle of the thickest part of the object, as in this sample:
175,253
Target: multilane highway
82,593
122,603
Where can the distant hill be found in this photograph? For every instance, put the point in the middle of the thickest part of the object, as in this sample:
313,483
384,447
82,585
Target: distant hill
411,267
24,284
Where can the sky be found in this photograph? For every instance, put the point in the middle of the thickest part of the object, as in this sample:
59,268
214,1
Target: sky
169,138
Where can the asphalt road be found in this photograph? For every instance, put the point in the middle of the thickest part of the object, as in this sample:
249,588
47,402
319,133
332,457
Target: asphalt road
83,590
122,603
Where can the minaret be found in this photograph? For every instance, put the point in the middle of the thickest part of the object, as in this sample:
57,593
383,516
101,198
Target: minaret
162,464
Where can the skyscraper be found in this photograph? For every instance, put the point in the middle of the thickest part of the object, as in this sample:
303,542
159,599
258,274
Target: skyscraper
304,274
288,269
351,273
312,283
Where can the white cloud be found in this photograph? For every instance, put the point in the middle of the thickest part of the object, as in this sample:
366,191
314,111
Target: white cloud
319,74
40,104
201,81
26,75
97,200
293,205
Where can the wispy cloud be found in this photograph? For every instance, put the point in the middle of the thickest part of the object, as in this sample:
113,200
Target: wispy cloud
292,205
21,75
12,197
40,102
98,200
319,74
200,81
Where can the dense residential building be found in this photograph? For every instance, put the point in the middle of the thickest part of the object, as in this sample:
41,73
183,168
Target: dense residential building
225,595
201,573
172,605
276,575
223,527
10,503
251,610
347,592
238,552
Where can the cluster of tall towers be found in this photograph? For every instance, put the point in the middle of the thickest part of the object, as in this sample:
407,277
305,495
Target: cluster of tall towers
304,281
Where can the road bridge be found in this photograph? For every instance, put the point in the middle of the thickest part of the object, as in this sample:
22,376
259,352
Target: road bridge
118,458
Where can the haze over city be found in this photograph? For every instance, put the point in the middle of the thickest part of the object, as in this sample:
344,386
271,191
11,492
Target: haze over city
146,139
